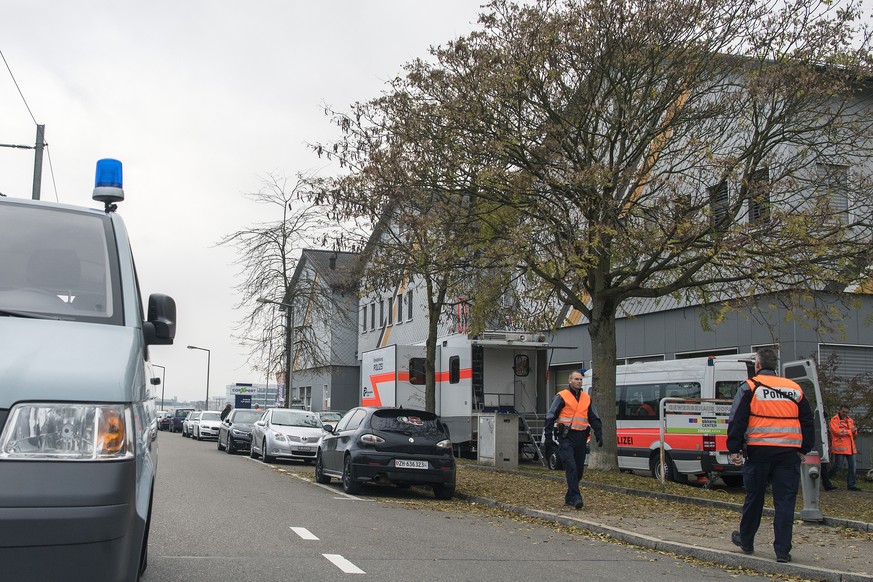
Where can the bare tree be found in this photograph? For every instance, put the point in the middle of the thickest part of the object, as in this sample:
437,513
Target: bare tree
268,254
415,188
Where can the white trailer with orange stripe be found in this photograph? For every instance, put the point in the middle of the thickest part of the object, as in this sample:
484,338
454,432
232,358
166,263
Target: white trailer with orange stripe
496,371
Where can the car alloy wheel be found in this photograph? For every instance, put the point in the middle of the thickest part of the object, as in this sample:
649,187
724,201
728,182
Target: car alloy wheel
218,443
264,456
252,453
444,491
229,447
320,477
350,486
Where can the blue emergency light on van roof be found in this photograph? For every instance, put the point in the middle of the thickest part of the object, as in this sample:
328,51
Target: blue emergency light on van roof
107,182
108,173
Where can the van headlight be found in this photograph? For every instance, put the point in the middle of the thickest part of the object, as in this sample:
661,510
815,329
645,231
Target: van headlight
71,432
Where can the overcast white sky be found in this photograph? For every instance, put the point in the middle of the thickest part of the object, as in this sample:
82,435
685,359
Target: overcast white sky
198,99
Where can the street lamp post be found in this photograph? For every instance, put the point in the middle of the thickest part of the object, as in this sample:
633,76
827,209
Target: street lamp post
289,344
208,358
163,381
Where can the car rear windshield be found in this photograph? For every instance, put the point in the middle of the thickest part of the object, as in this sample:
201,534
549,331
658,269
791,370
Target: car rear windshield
407,422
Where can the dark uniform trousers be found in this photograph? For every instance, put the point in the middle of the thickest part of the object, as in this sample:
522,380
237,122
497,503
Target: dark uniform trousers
782,472
572,450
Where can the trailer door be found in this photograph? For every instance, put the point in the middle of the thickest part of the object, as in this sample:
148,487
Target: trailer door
454,383
804,373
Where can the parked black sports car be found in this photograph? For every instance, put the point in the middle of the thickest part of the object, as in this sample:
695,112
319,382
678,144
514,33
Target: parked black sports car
388,445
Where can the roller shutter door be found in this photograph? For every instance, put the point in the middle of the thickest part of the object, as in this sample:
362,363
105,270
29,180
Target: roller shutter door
851,360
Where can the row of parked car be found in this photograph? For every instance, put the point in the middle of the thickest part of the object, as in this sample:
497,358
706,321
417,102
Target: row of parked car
380,445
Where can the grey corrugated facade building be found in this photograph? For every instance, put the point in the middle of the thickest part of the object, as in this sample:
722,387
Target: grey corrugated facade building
331,322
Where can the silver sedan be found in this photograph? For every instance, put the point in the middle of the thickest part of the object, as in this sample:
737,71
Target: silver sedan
284,433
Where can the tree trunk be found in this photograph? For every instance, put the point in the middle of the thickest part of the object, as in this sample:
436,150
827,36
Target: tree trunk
601,330
429,371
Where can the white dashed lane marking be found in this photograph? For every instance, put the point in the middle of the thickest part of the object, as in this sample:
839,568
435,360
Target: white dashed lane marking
304,533
343,564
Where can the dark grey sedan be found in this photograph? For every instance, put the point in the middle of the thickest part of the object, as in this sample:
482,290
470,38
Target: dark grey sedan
235,432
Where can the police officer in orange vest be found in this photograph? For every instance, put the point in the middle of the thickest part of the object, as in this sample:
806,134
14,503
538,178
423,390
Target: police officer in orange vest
773,422
570,418
843,432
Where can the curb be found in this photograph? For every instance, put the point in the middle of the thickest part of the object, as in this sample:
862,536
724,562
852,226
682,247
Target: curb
714,503
762,565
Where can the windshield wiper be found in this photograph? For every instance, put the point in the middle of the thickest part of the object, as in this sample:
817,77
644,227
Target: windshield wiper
25,314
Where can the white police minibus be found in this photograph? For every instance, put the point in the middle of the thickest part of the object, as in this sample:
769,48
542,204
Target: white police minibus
77,404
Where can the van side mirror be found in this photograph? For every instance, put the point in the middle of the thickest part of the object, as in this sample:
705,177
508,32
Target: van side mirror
160,328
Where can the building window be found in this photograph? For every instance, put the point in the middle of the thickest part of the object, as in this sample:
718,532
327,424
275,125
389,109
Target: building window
409,305
363,319
759,196
719,205
306,397
833,180
372,316
381,313
400,308
390,310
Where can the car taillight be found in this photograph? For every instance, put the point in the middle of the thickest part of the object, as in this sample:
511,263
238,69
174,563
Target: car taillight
63,431
372,439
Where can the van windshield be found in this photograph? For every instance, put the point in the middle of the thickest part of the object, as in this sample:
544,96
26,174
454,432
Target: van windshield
58,262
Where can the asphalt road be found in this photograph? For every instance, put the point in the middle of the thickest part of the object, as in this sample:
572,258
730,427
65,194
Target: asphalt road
220,517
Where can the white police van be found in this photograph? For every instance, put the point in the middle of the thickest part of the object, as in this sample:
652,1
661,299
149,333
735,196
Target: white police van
78,455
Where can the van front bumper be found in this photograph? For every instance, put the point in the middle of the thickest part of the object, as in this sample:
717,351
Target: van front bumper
64,518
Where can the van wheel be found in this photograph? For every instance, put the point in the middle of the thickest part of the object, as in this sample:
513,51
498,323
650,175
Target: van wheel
732,480
656,468
554,461
144,552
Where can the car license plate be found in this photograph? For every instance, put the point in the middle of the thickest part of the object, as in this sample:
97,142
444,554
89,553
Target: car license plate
302,448
401,464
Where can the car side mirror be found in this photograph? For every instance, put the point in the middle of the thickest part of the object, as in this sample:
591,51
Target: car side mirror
328,428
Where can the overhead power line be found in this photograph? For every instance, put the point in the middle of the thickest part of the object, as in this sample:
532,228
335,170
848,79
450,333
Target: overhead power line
8,68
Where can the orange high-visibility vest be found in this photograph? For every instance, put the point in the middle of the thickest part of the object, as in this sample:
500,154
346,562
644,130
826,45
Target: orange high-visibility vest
842,436
773,420
574,413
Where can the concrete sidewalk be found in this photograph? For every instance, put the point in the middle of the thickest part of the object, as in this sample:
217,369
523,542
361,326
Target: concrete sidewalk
838,550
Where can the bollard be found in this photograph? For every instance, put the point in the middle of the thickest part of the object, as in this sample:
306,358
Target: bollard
810,469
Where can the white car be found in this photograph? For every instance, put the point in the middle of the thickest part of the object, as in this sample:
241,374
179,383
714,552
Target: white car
206,426
188,423
286,434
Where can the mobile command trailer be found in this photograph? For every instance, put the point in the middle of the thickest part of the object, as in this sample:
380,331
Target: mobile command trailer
492,372
78,450
641,387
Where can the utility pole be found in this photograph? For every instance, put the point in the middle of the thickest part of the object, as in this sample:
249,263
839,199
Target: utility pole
37,160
